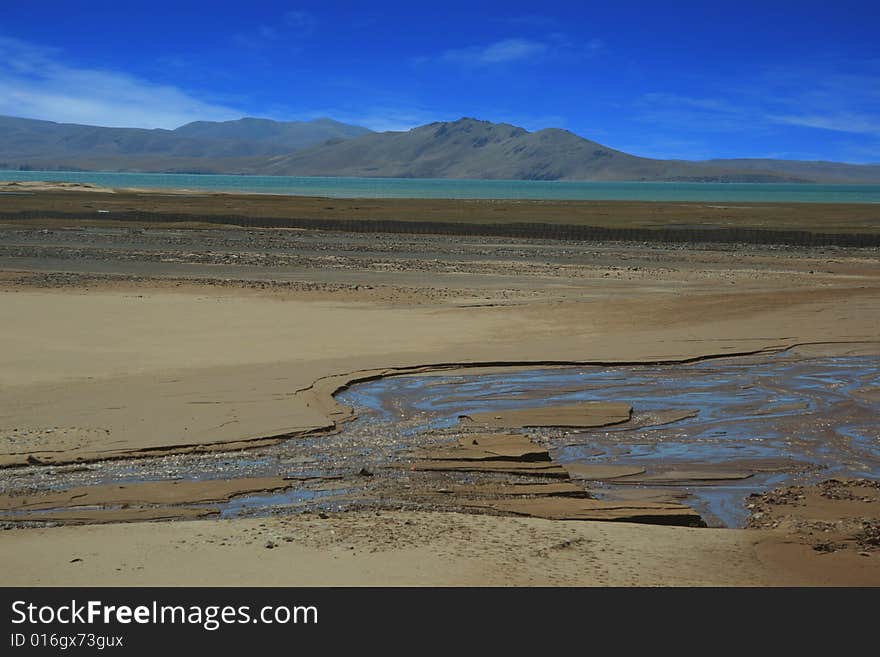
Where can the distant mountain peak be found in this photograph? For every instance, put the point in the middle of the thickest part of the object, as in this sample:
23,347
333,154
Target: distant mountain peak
465,120
293,135
467,126
326,120
258,120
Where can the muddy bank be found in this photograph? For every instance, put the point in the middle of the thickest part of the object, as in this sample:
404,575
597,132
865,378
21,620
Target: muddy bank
831,516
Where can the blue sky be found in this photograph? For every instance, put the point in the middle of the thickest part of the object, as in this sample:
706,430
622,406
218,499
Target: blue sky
683,80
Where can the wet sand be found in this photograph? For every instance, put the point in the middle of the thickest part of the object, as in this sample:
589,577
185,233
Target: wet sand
120,344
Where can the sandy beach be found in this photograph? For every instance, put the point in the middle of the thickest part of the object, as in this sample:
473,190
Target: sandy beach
129,341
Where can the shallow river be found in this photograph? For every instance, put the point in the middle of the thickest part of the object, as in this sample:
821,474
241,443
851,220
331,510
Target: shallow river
802,419
773,419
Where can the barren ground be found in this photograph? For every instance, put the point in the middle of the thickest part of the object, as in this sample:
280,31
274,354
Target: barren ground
127,340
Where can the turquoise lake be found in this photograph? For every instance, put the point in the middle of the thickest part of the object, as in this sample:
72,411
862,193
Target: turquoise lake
469,189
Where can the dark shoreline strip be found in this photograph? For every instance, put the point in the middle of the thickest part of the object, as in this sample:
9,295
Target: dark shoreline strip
533,230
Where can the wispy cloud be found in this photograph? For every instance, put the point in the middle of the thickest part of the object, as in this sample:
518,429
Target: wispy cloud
695,113
851,122
811,97
661,99
824,102
499,52
516,50
832,96
38,82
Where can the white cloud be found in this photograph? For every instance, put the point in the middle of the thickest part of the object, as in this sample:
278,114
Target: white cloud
36,82
695,114
662,99
838,122
555,45
499,52
824,96
811,96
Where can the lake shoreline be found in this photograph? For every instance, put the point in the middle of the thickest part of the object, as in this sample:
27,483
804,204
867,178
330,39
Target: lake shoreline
462,188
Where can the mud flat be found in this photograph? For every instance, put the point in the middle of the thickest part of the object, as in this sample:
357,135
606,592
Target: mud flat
172,349
114,503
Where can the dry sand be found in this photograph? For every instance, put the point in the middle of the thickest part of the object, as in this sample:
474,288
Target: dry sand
96,374
113,366
410,549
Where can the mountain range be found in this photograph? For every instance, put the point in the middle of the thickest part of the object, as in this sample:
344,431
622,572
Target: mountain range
467,148
198,147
